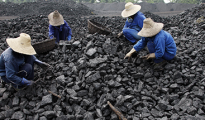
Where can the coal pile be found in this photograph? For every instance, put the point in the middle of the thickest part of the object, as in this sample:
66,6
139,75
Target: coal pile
68,8
91,70
156,7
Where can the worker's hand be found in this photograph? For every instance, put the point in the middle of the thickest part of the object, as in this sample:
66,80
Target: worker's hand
26,82
150,56
128,55
69,37
119,34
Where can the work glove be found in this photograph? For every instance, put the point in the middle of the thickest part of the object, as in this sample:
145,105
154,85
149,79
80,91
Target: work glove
150,56
69,37
26,82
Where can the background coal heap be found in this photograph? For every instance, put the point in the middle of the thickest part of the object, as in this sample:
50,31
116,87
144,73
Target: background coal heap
157,7
68,7
90,70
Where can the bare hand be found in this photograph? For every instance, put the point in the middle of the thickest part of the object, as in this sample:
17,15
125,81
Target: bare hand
149,56
144,57
119,34
128,55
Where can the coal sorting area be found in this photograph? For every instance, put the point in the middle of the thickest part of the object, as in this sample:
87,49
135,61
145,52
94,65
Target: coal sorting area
90,70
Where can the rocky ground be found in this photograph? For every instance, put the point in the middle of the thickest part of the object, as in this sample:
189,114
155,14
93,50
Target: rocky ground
90,70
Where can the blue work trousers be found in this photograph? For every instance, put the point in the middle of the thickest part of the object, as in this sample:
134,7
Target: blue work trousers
25,71
166,56
61,35
131,34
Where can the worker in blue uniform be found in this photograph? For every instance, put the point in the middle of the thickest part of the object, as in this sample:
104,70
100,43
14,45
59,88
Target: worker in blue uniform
17,62
58,27
134,22
160,43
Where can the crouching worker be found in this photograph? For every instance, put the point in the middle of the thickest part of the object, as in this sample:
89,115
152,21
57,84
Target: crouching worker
58,27
160,43
17,62
134,22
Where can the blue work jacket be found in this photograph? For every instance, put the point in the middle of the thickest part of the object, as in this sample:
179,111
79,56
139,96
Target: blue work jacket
136,23
55,31
163,41
10,62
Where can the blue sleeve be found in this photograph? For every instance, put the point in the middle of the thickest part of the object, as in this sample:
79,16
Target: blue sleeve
140,44
36,60
140,19
69,29
126,22
10,68
51,31
159,47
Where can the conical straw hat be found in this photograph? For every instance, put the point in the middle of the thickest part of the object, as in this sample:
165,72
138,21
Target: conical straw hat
130,9
55,18
22,44
150,28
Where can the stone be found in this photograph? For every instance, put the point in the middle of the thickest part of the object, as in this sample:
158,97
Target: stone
46,100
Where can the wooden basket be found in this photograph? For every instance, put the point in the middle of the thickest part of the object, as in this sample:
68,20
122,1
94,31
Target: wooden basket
44,46
94,27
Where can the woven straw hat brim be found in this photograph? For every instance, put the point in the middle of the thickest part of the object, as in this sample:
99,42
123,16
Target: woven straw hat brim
55,22
149,32
126,13
17,46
